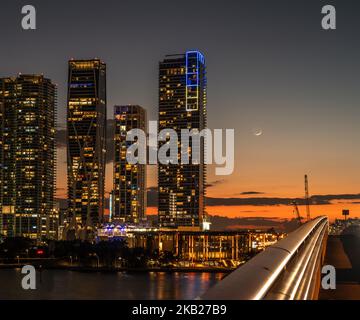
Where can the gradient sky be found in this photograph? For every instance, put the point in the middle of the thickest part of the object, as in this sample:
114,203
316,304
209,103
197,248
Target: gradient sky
270,66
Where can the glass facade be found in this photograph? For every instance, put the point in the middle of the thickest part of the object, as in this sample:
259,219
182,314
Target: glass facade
129,180
86,126
182,105
27,155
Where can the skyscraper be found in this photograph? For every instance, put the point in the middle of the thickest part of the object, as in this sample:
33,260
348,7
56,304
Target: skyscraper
86,126
129,180
1,158
182,105
27,152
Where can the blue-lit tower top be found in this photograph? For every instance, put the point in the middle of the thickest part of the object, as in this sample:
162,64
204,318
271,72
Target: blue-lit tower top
195,78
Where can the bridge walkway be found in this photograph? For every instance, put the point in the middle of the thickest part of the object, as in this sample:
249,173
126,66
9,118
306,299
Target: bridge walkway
343,252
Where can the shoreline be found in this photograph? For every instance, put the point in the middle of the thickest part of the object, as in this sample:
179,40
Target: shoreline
128,270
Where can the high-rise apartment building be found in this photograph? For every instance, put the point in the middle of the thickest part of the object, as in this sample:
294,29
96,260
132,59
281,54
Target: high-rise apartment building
182,105
129,193
86,127
1,161
27,155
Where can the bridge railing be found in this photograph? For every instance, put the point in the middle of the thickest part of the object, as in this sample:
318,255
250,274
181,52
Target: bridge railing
287,270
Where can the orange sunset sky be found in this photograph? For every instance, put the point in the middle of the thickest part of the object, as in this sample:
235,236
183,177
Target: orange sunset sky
270,182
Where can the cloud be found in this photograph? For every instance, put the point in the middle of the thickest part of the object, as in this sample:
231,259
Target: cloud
279,224
326,199
152,200
247,193
215,183
220,223
262,201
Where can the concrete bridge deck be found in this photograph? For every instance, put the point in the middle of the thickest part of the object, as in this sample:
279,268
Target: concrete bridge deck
343,252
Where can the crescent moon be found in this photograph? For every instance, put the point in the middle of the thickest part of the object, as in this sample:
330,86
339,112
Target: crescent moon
258,132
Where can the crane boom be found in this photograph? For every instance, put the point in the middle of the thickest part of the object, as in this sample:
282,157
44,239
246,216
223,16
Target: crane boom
296,211
307,198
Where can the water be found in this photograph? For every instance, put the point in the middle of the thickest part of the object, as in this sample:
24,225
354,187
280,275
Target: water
63,284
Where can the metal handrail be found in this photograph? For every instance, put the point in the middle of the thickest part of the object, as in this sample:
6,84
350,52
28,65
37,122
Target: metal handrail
280,271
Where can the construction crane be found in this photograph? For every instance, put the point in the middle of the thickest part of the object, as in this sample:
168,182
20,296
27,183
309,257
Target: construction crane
307,198
296,211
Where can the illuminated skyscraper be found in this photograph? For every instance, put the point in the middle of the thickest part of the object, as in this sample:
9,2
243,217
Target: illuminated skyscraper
86,126
27,155
1,158
129,180
182,105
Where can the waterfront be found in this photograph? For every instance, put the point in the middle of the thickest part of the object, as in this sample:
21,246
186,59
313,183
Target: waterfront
64,284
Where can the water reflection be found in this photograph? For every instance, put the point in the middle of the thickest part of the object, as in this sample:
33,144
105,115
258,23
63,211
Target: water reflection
62,284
